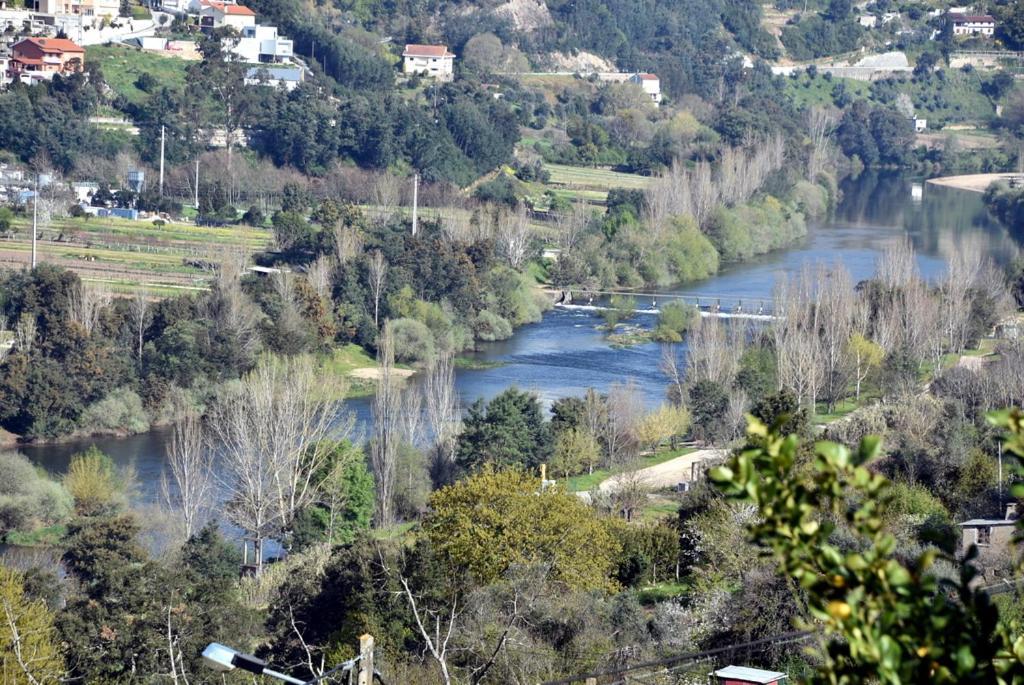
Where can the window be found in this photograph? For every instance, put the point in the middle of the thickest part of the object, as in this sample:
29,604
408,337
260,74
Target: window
984,535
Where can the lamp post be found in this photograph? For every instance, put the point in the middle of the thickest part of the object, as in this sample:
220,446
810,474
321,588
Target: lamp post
222,658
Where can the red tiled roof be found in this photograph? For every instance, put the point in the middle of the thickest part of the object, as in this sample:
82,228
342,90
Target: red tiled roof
973,18
227,8
427,51
648,77
54,45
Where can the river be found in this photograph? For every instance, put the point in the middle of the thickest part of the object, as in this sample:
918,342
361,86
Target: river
565,353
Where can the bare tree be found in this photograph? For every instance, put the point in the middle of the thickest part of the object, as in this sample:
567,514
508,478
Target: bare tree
319,275
572,224
513,234
624,407
795,333
232,315
676,378
138,307
86,304
378,273
836,302
273,436
442,405
387,194
387,407
25,333
191,469
821,124
713,352
348,243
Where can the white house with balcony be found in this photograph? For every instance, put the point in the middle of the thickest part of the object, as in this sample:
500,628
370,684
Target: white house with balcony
263,45
972,24
431,60
286,77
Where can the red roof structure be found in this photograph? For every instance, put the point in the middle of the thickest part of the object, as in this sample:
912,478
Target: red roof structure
427,51
972,18
53,46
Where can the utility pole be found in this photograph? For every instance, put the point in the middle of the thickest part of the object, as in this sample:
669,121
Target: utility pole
163,137
415,201
1000,448
197,183
35,220
365,660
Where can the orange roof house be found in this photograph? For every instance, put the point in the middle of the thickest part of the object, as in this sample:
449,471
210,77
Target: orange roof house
432,60
41,58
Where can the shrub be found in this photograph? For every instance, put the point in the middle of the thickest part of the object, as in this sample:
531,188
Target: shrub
489,326
414,343
94,483
675,319
28,499
120,411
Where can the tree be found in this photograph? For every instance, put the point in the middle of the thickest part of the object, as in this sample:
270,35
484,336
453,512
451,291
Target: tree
867,356
883,619
665,423
344,505
378,269
509,430
272,434
575,450
93,482
192,472
30,651
387,410
492,521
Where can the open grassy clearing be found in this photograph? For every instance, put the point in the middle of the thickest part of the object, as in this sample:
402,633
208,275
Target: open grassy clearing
123,65
595,179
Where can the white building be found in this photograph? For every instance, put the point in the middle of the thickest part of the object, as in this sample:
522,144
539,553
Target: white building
86,8
868,21
651,85
214,14
261,44
972,24
432,60
920,125
287,78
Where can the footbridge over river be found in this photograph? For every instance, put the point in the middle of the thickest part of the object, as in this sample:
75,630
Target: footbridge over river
718,306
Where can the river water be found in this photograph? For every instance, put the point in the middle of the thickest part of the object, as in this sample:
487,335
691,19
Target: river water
565,353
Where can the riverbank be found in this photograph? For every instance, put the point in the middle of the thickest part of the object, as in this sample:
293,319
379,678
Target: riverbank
975,183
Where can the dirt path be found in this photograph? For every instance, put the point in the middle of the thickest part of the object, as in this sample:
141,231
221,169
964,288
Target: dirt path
666,474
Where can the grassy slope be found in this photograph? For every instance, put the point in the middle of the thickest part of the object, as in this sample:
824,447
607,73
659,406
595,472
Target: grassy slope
122,66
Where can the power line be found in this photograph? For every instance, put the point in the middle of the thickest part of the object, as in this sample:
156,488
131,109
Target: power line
792,636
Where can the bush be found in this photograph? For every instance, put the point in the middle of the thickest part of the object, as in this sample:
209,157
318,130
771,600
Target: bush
93,483
120,411
28,499
675,319
414,343
489,327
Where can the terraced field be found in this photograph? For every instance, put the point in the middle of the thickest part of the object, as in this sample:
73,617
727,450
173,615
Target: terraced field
591,185
130,254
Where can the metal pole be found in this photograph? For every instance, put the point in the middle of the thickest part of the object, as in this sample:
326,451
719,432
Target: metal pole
162,139
197,184
35,220
415,201
281,676
1000,476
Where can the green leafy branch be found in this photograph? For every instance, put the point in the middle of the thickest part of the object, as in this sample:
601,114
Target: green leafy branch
883,621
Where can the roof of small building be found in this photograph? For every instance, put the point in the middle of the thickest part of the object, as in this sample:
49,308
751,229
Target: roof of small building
973,523
750,675
972,18
648,77
412,50
54,45
276,73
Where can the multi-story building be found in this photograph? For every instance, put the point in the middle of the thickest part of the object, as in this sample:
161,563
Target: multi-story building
262,44
432,60
650,84
972,24
86,8
214,15
35,59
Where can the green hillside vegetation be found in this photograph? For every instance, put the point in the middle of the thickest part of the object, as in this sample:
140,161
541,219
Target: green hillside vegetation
123,68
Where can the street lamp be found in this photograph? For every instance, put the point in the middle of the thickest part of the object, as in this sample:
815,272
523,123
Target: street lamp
222,658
